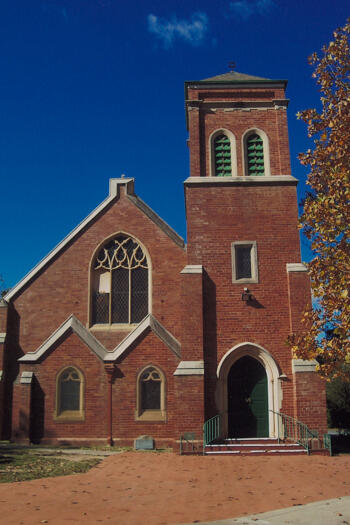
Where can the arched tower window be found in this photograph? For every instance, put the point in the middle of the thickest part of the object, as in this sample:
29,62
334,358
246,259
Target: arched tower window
151,394
222,156
69,394
120,282
255,155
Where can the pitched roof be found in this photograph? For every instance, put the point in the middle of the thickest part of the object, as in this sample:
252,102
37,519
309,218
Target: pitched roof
70,325
233,76
149,322
73,325
114,192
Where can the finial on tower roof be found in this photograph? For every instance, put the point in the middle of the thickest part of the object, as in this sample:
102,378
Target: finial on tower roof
231,66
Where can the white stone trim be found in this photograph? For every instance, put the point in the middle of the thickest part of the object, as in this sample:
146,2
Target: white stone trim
233,147
2,337
296,267
186,368
193,268
70,325
139,203
302,365
251,179
272,371
149,322
26,378
266,148
114,193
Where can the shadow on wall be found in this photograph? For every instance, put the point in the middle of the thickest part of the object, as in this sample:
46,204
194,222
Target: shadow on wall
37,413
210,345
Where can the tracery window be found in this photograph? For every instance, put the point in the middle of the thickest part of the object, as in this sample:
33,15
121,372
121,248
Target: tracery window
120,282
151,394
255,155
222,156
69,394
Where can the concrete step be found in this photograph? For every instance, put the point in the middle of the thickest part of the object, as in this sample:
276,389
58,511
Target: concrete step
254,446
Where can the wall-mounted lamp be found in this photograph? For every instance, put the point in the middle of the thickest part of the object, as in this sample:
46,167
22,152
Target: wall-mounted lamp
246,295
283,377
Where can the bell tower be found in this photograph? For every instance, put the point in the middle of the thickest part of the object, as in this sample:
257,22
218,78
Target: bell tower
242,230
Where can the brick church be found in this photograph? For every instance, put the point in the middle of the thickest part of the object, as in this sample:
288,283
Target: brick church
124,330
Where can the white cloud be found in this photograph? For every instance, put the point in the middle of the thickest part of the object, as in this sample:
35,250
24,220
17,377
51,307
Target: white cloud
192,31
247,8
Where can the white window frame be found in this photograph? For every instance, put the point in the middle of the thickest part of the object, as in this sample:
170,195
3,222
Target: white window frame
232,139
253,262
264,137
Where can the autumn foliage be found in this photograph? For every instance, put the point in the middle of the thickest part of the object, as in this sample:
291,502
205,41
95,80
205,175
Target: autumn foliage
326,215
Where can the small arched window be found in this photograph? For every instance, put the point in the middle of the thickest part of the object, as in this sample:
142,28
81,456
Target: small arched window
151,394
254,154
69,394
120,282
222,156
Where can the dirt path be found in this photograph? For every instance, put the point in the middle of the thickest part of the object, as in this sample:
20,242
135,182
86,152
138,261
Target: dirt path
153,489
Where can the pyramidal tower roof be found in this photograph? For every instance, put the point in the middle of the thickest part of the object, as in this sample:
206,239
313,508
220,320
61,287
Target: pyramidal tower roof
233,76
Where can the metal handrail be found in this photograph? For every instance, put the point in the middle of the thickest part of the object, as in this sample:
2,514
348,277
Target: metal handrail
211,430
290,428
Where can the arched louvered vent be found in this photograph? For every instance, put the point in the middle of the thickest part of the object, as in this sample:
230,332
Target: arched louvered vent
255,155
222,155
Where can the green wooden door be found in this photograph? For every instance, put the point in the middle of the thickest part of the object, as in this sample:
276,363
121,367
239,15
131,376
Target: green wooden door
248,414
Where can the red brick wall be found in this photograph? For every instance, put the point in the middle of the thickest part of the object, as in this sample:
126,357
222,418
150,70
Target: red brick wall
148,350
310,401
192,317
71,352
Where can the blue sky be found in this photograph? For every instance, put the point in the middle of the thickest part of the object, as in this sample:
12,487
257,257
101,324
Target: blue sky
91,89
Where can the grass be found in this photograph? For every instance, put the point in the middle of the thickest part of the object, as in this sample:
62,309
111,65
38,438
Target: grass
24,465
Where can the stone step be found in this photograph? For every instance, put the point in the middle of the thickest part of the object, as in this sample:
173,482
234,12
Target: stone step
247,452
254,446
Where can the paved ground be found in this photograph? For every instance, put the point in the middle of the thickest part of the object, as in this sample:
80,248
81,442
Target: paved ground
329,512
150,488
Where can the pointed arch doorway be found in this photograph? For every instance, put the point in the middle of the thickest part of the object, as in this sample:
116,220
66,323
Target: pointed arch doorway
249,392
248,409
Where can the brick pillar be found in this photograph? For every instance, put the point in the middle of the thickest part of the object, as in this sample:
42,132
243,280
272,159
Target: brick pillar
309,389
194,141
189,375
3,331
110,369
22,394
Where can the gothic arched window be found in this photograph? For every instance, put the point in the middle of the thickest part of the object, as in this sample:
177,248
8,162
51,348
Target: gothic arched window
151,394
254,147
120,282
222,156
69,393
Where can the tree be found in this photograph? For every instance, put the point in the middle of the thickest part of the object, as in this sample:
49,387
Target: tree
326,214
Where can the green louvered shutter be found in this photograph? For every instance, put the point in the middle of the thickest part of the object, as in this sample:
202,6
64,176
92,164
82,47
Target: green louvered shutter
222,156
255,155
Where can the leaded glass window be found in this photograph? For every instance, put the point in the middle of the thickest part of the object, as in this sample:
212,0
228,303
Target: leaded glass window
222,156
150,404
69,392
255,155
150,390
243,261
120,283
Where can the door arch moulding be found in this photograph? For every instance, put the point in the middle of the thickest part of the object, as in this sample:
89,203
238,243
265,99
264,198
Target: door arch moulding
273,384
